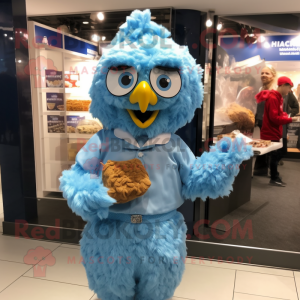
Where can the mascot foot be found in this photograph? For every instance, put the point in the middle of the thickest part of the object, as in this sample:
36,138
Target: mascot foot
110,296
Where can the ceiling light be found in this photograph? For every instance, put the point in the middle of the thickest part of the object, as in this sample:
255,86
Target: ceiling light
100,16
95,37
5,34
220,25
11,38
85,22
210,15
19,61
209,23
153,18
21,32
103,38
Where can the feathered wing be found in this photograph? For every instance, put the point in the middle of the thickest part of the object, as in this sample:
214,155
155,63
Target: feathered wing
212,175
81,185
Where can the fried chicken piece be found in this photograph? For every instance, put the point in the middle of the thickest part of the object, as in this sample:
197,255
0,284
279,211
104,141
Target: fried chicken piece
260,143
244,117
126,180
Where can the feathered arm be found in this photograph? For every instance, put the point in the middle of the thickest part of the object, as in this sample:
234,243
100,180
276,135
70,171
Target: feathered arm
212,174
82,187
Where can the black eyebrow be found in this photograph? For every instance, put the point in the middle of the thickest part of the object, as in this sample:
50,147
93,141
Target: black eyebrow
120,68
168,69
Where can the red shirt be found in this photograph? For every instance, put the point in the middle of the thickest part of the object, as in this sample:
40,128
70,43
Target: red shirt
274,117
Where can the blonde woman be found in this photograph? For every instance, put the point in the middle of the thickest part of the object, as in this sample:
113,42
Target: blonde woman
268,78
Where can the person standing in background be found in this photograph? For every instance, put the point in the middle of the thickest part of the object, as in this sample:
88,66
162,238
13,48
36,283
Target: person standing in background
268,79
290,106
297,93
246,96
273,119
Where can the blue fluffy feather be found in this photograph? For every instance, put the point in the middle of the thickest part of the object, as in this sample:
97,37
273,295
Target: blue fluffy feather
174,112
212,174
119,255
86,196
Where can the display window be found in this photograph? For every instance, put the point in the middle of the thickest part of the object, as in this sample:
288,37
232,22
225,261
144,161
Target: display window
61,73
250,54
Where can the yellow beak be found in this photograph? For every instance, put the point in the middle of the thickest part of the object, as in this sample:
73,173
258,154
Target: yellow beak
143,95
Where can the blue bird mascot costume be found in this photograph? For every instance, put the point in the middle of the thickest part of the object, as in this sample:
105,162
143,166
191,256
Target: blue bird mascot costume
145,88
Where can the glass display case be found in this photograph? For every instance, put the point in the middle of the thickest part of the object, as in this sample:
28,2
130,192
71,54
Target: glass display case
62,68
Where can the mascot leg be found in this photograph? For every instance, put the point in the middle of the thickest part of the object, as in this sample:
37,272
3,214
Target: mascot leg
161,283
127,261
107,261
160,270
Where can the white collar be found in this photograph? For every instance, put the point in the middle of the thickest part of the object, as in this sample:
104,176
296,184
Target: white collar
160,139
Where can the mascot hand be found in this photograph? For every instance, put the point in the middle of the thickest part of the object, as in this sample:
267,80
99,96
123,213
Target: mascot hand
212,174
86,196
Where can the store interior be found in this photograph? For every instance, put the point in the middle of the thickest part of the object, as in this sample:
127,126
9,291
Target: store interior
268,214
62,123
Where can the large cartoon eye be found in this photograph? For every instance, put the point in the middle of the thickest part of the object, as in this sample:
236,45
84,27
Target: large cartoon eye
165,81
121,80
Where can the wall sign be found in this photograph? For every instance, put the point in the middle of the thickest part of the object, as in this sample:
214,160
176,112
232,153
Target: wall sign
47,37
270,48
73,44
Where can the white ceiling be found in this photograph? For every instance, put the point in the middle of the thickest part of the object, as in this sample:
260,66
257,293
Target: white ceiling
221,7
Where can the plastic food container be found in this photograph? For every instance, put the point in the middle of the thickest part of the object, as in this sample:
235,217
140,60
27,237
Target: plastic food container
88,126
78,103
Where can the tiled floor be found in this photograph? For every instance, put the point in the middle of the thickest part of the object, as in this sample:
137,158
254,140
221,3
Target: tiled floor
65,279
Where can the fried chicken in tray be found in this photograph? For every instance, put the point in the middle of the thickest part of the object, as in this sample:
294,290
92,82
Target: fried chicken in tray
260,143
231,135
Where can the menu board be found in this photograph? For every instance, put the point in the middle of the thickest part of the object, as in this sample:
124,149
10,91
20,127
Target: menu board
72,122
54,79
55,101
56,124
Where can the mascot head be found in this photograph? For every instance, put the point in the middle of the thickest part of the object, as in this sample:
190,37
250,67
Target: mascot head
145,83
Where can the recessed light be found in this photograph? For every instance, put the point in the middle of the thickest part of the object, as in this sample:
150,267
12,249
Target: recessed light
209,23
95,37
85,22
100,16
